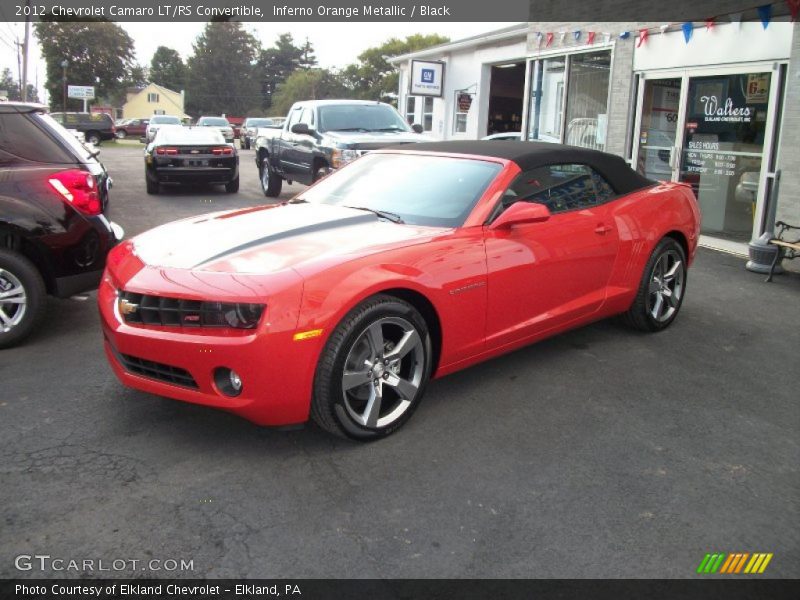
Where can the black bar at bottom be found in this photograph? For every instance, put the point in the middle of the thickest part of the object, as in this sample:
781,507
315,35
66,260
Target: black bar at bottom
397,589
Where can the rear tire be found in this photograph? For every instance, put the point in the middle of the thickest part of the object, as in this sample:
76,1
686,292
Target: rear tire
22,298
271,182
661,289
232,186
93,138
373,370
152,186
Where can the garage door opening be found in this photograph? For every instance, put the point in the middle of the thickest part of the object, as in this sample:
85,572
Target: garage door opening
506,90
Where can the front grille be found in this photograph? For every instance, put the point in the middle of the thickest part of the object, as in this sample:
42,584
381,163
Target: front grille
157,371
158,310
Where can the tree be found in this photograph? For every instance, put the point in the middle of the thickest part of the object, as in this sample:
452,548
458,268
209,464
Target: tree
167,69
220,72
373,77
308,59
98,53
275,64
311,84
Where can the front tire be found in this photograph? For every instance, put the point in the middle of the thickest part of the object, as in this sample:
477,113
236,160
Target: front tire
22,298
271,182
321,171
121,135
661,289
373,371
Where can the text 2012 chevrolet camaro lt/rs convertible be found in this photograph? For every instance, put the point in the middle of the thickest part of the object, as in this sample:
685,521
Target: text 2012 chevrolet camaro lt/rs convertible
407,264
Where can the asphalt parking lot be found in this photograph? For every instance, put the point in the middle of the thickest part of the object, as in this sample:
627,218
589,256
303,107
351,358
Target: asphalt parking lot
599,453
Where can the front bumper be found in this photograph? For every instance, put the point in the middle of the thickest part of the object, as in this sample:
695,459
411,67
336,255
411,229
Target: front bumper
276,371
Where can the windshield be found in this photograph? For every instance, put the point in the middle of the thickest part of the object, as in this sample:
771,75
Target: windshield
213,122
435,191
360,117
184,135
165,120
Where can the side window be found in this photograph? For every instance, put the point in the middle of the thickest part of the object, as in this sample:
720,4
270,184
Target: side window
560,188
20,138
307,117
294,117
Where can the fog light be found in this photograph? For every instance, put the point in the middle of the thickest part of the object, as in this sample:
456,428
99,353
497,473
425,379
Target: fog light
228,381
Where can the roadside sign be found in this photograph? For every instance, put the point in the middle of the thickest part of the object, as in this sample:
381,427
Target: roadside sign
81,92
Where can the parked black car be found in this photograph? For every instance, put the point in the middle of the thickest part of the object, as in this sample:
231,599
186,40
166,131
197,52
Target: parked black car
320,135
54,235
96,127
190,155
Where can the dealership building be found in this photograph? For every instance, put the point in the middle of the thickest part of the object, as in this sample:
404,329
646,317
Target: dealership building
714,104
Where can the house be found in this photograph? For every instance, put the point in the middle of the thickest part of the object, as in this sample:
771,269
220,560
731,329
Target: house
153,99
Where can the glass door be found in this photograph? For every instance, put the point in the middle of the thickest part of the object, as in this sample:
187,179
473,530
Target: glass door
658,128
723,146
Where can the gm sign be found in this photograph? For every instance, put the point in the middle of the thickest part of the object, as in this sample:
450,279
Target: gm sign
427,78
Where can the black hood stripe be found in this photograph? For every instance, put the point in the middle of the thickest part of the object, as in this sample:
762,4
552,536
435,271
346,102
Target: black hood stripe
317,227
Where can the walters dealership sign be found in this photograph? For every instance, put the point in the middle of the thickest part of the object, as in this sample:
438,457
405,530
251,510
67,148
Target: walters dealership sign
717,111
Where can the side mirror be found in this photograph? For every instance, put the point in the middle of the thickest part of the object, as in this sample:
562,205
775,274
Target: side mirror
302,129
417,128
519,213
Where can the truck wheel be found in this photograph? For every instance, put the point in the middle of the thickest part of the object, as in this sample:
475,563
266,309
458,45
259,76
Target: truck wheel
271,182
93,138
321,171
22,298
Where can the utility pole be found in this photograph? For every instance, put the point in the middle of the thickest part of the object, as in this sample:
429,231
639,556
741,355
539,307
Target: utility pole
25,44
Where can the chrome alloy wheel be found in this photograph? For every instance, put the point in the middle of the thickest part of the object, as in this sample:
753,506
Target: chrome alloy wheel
13,301
666,286
383,372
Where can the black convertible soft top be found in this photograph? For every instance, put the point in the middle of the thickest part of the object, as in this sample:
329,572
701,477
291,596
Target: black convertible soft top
529,155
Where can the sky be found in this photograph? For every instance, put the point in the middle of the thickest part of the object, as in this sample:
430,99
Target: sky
335,44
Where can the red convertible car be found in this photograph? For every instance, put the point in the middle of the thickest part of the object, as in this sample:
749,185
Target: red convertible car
407,264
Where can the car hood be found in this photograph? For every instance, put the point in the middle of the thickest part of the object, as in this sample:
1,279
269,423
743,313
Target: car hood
267,239
375,139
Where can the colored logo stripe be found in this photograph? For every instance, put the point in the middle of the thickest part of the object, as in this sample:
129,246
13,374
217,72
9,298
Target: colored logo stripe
734,563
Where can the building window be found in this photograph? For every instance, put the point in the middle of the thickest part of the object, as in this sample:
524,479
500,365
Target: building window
159,111
427,114
588,100
569,99
462,105
411,109
152,97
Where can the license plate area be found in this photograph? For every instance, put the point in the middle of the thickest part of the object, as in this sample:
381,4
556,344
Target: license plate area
193,162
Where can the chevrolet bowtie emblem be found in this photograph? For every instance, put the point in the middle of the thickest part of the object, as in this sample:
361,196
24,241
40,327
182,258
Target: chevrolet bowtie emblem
127,308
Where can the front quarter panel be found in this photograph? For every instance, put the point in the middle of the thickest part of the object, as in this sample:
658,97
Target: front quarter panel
449,271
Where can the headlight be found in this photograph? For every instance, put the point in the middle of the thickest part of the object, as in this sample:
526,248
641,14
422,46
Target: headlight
343,156
239,316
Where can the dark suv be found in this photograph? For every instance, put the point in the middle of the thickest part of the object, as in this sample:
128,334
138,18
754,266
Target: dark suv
54,235
95,127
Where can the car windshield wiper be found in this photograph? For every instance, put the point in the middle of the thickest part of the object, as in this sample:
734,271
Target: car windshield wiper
350,129
297,201
392,128
390,216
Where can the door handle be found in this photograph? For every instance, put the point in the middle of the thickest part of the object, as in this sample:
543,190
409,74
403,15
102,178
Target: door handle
602,229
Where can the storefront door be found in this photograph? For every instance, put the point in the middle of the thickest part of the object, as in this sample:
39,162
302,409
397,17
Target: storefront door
713,131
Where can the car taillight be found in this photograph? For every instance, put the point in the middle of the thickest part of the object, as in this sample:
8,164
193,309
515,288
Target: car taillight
223,150
163,150
79,189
